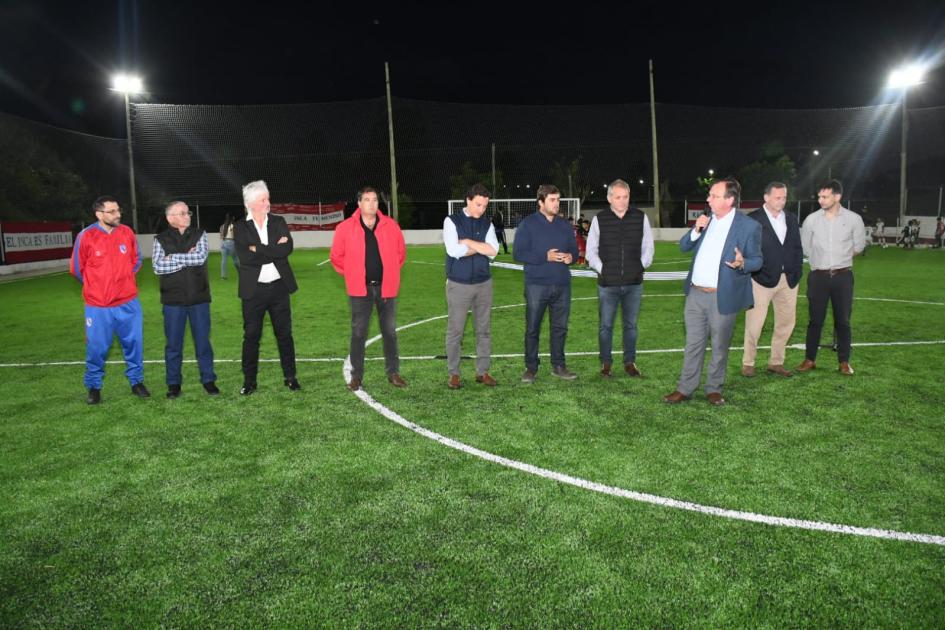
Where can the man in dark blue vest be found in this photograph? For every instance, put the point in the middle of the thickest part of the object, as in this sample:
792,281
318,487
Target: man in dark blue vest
180,261
619,248
776,282
470,243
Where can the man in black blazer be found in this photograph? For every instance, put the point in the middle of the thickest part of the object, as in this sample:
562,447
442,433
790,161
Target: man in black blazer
776,282
263,245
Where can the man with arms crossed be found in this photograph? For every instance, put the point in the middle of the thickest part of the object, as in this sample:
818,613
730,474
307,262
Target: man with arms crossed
470,244
776,282
619,248
727,250
831,237
263,245
179,259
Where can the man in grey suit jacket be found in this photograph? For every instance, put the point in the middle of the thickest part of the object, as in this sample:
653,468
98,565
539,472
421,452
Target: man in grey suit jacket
727,250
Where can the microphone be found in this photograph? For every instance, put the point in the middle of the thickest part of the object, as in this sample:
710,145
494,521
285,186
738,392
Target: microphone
705,212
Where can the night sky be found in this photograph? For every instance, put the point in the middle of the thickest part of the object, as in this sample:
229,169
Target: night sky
56,58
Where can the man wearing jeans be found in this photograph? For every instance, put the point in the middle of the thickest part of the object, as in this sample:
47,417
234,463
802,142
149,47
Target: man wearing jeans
545,244
619,248
180,261
368,250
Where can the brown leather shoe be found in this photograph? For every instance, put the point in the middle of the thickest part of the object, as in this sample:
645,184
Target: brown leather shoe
845,369
716,399
605,370
631,369
354,385
779,370
486,379
748,371
454,382
806,366
676,397
396,380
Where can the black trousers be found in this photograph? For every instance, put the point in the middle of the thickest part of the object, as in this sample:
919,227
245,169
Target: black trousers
274,299
838,290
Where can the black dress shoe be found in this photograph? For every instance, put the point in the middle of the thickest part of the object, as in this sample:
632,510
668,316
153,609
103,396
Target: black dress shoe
94,397
173,391
293,384
139,390
211,388
247,389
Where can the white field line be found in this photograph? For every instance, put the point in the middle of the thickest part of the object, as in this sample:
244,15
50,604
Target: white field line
752,517
432,357
323,262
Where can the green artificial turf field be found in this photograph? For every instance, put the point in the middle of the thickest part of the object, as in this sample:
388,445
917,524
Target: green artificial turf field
311,508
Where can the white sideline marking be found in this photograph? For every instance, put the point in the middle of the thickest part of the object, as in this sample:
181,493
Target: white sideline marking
751,517
590,273
431,357
323,262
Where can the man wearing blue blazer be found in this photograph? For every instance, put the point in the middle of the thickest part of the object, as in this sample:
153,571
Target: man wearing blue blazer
727,250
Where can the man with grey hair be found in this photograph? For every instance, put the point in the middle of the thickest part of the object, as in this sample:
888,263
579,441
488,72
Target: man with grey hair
180,261
776,282
619,248
263,244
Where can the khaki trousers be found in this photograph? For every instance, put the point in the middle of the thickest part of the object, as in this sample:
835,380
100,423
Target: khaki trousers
784,299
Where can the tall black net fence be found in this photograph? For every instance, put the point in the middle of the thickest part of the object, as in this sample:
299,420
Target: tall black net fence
324,152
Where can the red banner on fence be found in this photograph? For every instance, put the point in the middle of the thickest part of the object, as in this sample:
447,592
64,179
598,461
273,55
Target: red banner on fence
29,241
324,216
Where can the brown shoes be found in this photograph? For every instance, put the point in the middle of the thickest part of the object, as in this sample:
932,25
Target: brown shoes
676,397
454,382
396,380
716,399
845,369
631,369
486,379
354,385
806,366
779,370
748,371
605,370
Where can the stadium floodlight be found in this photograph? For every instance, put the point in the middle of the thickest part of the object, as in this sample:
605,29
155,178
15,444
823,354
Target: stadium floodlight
903,78
641,182
129,84
816,152
711,172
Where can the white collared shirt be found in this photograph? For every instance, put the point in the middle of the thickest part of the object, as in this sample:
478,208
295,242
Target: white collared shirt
268,272
779,224
451,239
705,269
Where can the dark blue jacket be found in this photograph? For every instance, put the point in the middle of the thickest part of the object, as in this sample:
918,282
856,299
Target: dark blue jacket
534,236
787,258
469,269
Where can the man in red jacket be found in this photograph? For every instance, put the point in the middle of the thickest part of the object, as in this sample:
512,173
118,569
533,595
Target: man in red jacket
105,260
368,250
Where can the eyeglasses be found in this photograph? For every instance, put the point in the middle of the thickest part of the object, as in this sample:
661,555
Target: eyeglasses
115,211
181,214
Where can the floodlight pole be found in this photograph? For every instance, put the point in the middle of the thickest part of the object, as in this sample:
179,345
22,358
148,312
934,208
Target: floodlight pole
656,164
131,165
390,133
902,155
